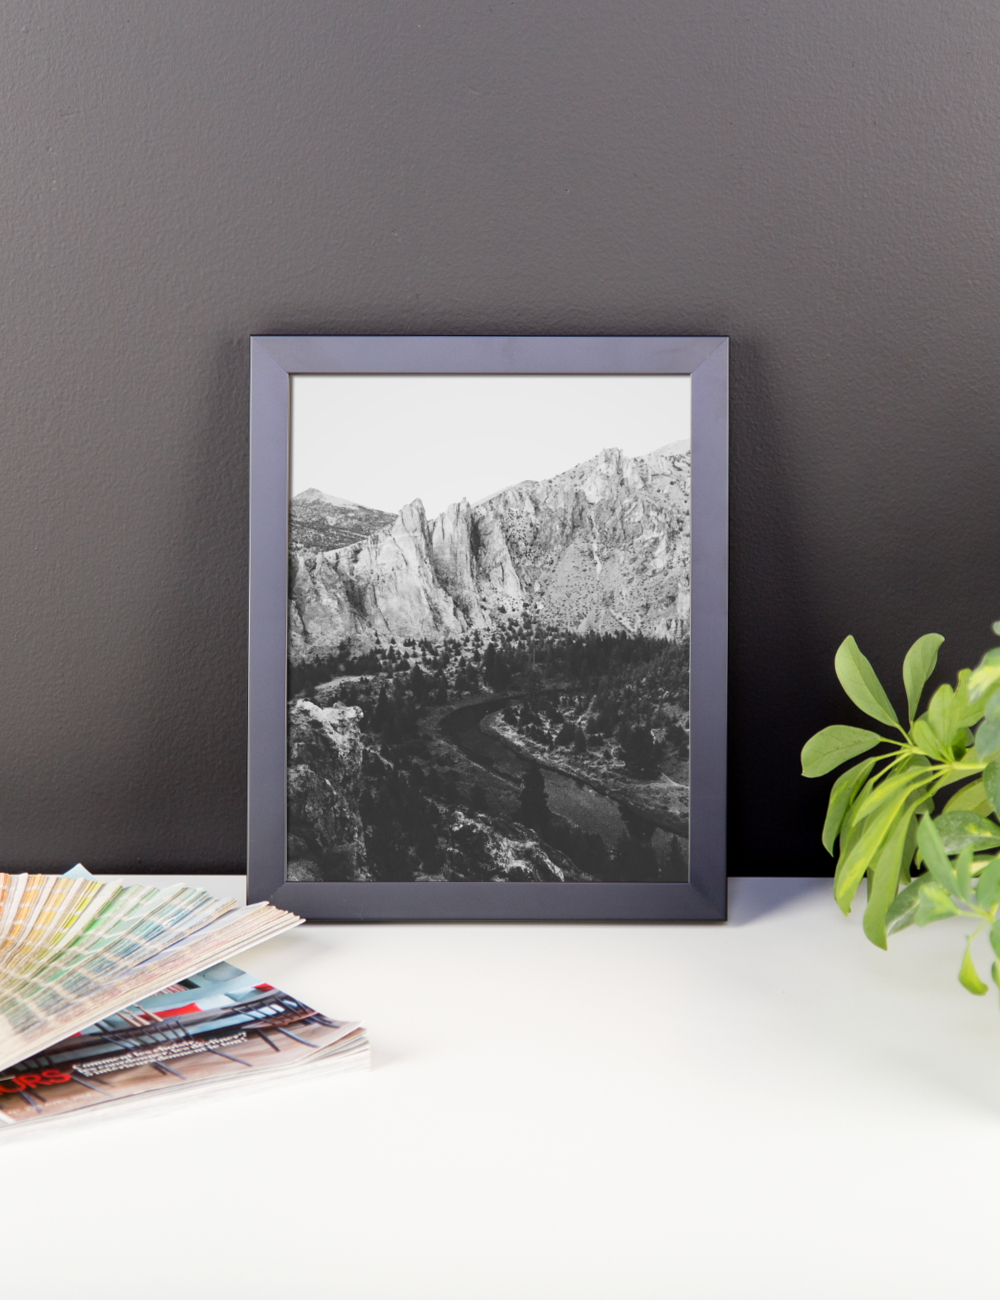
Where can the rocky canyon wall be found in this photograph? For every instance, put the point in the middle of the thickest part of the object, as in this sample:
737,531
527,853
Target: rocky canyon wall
603,547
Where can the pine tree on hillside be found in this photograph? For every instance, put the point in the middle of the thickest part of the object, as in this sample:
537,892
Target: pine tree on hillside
639,751
489,665
418,683
534,800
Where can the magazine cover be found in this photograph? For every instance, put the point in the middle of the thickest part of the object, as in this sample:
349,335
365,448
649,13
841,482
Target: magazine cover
216,1027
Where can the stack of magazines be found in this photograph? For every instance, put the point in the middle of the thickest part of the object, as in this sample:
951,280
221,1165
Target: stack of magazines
112,993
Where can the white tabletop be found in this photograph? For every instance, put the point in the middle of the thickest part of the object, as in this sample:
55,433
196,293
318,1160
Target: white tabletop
770,1108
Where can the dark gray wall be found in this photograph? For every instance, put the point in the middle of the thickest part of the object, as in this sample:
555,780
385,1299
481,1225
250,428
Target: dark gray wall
819,180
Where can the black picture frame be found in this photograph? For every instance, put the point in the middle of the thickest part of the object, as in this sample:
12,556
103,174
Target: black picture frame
273,361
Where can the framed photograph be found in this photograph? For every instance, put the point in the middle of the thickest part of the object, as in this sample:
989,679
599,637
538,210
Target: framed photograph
488,628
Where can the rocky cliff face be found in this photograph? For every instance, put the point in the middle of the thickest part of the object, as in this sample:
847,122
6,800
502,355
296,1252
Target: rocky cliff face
325,832
604,546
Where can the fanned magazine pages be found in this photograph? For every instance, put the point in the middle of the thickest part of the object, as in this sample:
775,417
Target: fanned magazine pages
215,1029
111,993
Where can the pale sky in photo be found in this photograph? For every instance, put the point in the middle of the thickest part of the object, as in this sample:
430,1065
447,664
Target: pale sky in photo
383,440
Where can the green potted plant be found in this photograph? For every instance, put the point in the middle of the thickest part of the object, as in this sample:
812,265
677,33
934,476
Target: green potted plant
922,862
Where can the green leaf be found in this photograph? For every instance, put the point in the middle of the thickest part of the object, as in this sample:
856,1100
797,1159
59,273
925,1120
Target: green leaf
850,835
852,822
963,874
991,785
903,909
835,745
902,779
863,850
920,662
988,886
986,676
968,710
862,686
942,714
971,798
995,936
987,740
935,903
968,976
934,855
922,734
988,732
959,829
852,825
884,882
857,853
952,773
910,847
843,794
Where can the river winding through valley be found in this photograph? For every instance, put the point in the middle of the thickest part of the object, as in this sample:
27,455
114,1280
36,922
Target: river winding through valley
573,799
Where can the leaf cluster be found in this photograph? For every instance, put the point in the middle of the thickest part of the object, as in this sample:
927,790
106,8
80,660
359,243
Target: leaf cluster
882,822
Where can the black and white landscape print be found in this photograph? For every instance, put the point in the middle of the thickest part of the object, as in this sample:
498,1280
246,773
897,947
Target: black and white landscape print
498,692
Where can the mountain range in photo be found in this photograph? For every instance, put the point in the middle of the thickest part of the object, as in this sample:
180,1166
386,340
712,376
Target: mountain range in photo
499,693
